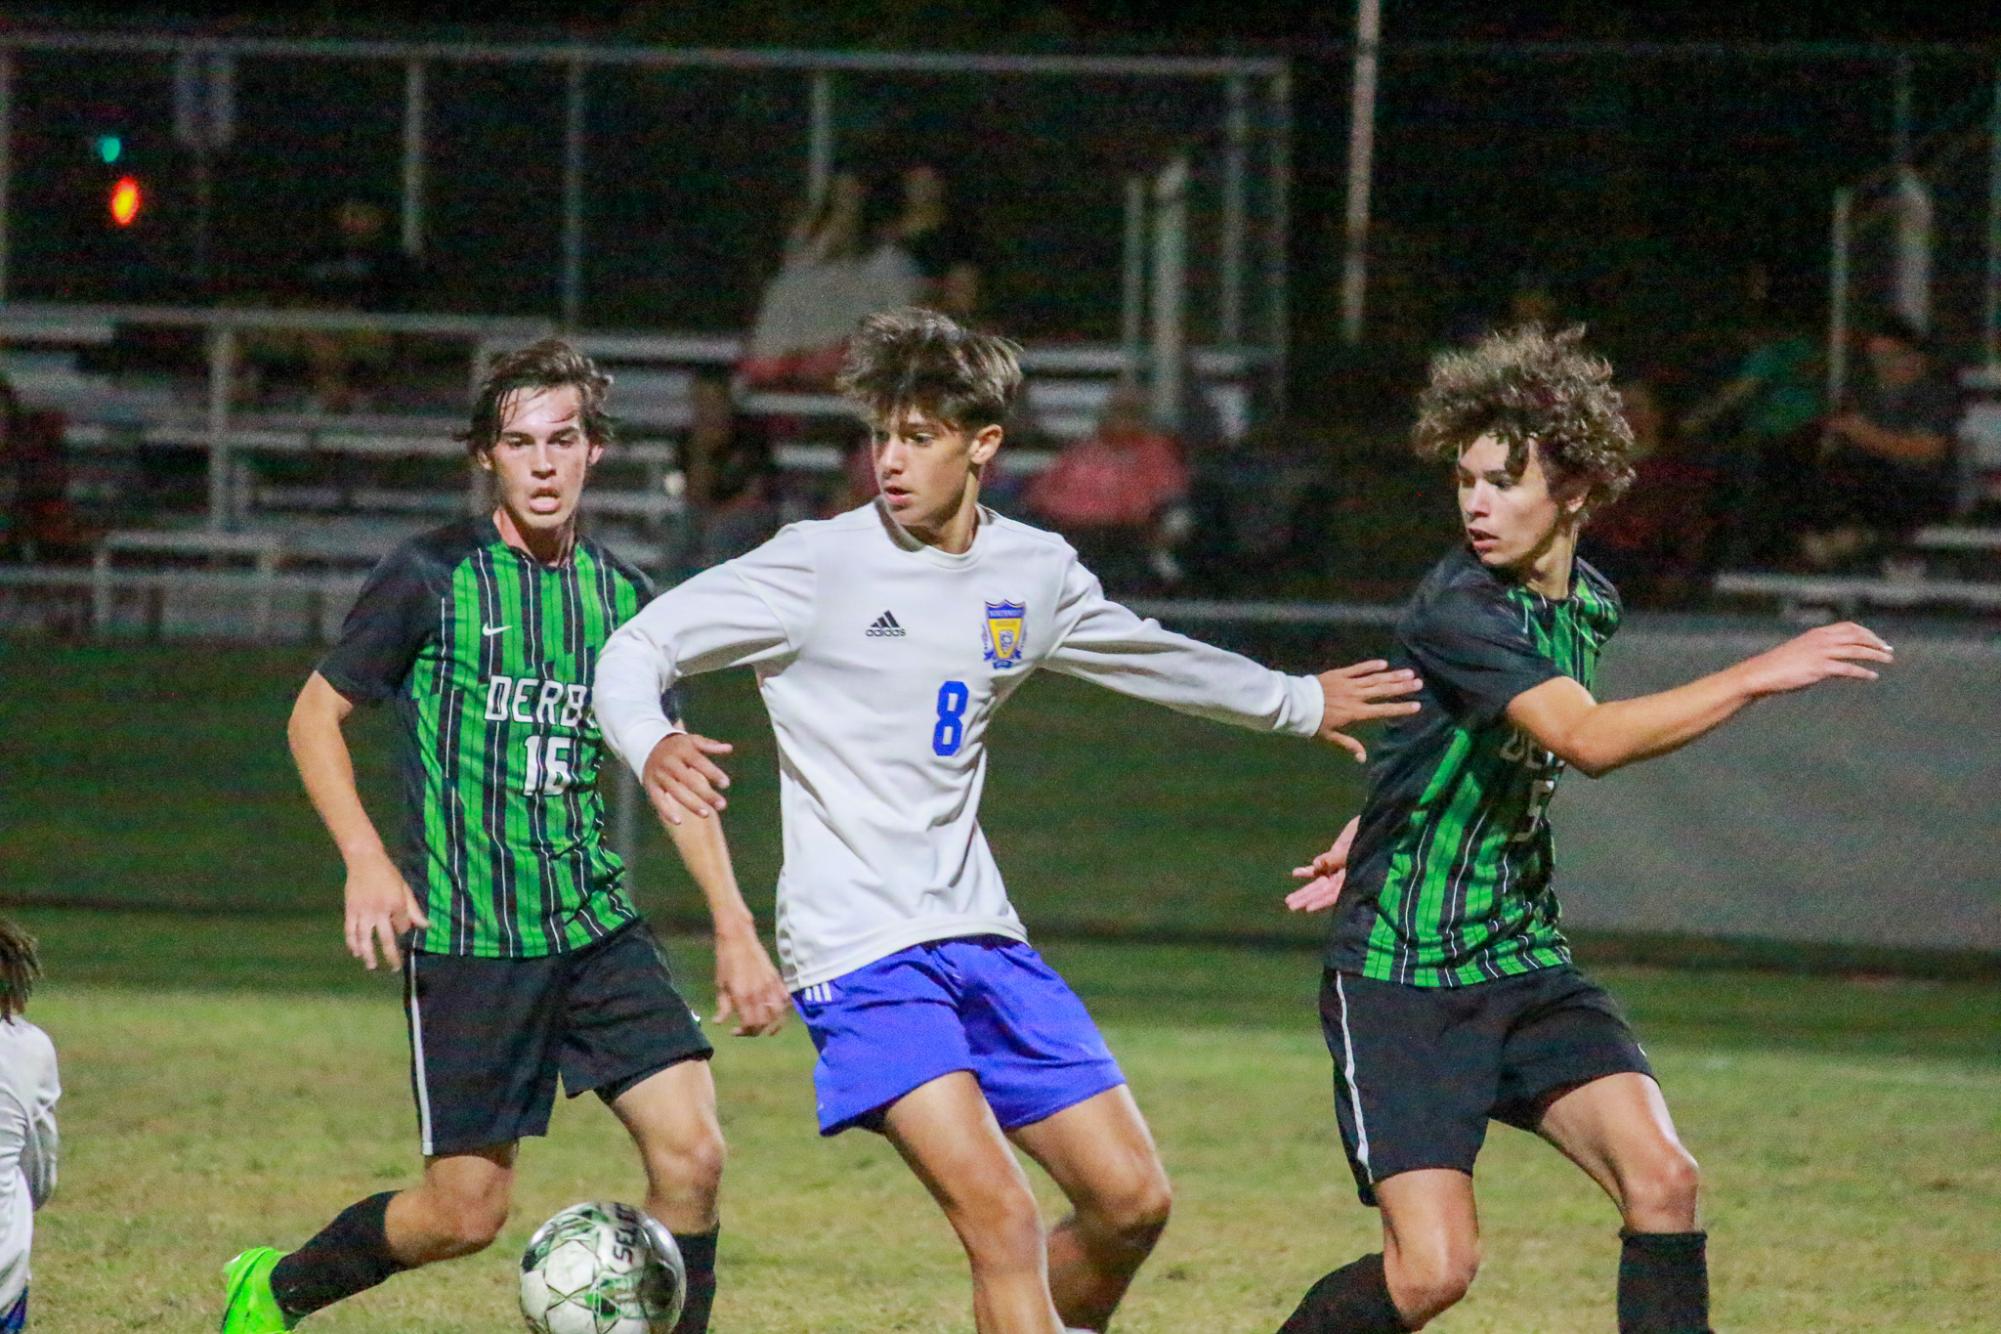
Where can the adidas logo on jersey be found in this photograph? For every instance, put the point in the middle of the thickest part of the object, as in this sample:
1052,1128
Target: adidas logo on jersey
885,627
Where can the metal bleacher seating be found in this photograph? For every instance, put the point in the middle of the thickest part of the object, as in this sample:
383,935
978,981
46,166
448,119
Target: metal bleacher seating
1951,567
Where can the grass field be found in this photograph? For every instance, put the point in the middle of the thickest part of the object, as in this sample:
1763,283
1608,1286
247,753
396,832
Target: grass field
233,1078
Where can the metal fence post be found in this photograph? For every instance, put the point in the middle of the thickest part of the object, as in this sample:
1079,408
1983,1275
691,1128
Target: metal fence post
6,155
413,158
1170,291
1837,296
1132,288
1236,152
573,198
221,378
1278,258
820,135
1991,332
1361,167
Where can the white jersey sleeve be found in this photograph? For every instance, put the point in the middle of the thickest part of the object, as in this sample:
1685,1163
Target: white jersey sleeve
29,1090
755,610
1108,644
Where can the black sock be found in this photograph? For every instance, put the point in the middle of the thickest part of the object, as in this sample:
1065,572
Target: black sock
698,1254
350,1255
1664,1283
1354,1299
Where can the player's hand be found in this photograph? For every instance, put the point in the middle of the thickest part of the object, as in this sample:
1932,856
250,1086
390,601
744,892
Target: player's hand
748,987
1324,875
1830,650
1357,694
380,908
680,777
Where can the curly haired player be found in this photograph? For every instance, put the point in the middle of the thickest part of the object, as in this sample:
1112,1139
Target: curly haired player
1448,997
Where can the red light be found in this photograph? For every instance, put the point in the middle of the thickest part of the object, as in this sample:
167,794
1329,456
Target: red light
126,201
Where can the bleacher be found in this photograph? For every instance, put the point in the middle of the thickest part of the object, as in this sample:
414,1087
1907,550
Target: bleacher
299,502
1947,568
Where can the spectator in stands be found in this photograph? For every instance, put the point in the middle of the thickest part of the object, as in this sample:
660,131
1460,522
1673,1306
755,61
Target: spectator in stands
938,241
363,269
41,522
1886,464
839,266
1774,401
1119,495
1653,541
731,476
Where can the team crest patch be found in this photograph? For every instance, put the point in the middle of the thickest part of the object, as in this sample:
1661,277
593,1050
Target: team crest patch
1003,633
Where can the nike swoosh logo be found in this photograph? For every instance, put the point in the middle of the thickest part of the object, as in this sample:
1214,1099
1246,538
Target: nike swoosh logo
491,630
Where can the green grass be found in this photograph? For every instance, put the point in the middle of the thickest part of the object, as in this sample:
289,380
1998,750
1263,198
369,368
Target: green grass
233,1078
237,1082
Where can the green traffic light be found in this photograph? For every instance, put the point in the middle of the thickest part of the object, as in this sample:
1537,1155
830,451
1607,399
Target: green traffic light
110,148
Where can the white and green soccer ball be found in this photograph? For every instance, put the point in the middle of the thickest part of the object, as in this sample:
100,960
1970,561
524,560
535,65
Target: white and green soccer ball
602,1268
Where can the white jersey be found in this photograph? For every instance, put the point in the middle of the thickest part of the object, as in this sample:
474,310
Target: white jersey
28,1093
882,662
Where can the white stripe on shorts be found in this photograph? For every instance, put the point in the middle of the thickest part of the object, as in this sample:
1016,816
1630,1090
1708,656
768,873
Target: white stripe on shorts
417,1053
1354,1093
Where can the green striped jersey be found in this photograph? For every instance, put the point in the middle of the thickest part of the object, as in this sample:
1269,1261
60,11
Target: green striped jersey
1449,880
489,655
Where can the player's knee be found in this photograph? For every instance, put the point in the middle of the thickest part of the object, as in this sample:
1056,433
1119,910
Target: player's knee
692,1165
1664,1192
1427,1282
999,1226
1134,1213
472,1222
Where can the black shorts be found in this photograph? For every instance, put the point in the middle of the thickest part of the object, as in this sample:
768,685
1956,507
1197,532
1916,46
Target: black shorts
1419,1071
489,1037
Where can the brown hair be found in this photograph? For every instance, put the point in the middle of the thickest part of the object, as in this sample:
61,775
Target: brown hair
913,358
552,363
19,968
1527,386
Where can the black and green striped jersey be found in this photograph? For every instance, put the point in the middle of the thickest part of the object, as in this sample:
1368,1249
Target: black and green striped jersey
489,656
1449,876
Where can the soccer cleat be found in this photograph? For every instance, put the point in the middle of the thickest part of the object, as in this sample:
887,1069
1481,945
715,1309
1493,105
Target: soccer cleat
250,1307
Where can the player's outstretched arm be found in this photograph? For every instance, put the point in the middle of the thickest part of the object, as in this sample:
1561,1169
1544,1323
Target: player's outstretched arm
379,905
1362,693
747,985
1324,875
1598,738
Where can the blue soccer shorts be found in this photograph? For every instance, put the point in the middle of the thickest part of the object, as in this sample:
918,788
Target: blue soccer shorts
985,1004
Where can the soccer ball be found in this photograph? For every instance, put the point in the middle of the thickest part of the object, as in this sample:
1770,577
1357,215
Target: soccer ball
602,1268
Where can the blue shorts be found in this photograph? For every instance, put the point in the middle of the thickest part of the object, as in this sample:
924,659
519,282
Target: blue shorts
987,1004
16,1318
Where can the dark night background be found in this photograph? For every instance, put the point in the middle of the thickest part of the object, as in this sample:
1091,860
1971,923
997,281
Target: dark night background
1635,188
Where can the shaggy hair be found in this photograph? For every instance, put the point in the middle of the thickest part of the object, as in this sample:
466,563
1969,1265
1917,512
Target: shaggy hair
912,358
19,967
1526,386
551,363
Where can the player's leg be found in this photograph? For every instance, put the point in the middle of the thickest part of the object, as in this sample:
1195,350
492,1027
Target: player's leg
671,1116
1101,1155
629,1037
1414,1076
894,1056
483,1073
1055,1089
946,1132
1618,1130
458,1208
1575,1074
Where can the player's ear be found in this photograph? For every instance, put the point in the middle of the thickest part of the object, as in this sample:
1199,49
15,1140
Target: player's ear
597,452
484,458
986,442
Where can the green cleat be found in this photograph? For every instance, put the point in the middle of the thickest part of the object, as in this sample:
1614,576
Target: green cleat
250,1307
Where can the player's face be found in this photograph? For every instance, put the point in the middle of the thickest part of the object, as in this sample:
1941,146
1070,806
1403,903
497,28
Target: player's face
925,466
1511,518
540,460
